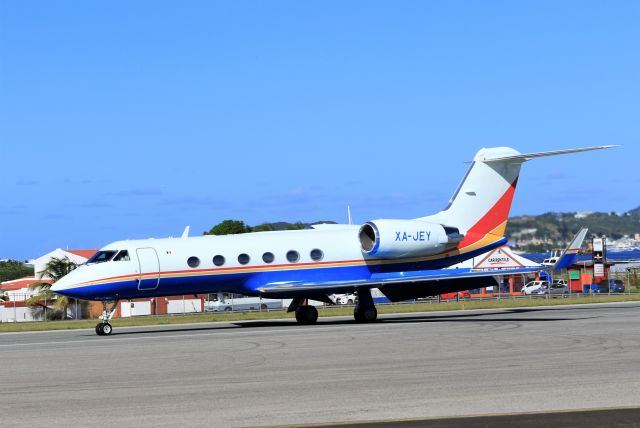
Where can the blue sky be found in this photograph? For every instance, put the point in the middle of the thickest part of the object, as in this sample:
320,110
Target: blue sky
133,119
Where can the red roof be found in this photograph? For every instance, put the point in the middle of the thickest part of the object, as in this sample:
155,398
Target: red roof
13,303
18,284
82,253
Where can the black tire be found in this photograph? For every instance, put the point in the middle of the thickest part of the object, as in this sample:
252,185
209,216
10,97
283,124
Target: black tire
371,315
350,302
306,315
227,309
365,316
106,329
99,329
312,315
263,307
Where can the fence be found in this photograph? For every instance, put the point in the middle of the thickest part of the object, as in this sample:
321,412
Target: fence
17,311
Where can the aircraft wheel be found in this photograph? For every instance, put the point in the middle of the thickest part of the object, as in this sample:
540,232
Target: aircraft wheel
106,329
312,315
369,315
307,315
99,329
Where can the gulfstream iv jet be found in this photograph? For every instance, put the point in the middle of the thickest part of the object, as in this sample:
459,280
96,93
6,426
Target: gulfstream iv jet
403,258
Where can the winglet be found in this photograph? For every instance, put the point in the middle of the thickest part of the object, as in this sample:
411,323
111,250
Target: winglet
185,234
570,254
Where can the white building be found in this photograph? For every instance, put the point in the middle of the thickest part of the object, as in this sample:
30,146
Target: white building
76,256
18,290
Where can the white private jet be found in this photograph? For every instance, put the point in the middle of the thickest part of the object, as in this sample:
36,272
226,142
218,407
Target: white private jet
405,259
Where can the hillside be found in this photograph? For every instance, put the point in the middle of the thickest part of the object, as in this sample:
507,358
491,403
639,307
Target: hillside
527,233
534,233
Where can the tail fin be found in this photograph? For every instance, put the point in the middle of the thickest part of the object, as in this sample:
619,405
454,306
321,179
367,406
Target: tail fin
481,204
570,255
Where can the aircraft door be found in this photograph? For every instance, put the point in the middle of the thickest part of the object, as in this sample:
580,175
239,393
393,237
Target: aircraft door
149,264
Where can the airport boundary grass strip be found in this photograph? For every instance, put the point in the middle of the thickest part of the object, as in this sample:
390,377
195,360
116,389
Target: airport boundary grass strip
330,311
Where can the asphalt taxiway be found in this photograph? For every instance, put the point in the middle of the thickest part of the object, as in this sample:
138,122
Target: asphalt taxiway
261,373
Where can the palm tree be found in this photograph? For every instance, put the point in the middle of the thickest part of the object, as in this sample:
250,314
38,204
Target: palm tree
55,269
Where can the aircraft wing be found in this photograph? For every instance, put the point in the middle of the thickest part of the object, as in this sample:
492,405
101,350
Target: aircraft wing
384,279
421,278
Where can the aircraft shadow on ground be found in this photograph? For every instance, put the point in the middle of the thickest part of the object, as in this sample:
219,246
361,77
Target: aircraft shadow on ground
407,320
484,317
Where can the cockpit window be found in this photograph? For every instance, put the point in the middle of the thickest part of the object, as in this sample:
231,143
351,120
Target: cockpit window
102,256
123,256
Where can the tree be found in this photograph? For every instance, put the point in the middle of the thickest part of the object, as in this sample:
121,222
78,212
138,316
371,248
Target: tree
296,226
265,227
13,269
229,227
55,269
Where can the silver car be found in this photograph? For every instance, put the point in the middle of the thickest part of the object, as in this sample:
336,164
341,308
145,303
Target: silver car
555,290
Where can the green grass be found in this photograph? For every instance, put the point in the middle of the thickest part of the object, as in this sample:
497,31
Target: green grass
323,312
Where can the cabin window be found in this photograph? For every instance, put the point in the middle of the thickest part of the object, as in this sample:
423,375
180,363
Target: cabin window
102,256
123,256
268,257
293,256
243,259
193,262
316,255
218,260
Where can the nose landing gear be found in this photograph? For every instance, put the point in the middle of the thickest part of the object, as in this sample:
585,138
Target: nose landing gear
103,328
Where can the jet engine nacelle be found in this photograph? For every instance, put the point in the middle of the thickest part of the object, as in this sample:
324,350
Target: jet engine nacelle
387,238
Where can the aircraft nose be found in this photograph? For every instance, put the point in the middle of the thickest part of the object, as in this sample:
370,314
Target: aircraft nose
61,285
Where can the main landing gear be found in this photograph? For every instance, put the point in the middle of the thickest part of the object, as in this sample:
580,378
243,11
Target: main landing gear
365,310
103,328
305,313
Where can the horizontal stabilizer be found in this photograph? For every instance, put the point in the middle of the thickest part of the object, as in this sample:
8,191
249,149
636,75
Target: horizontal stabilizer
529,156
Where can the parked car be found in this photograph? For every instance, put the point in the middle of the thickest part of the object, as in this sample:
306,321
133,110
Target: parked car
345,299
456,295
611,286
553,290
242,304
617,286
529,287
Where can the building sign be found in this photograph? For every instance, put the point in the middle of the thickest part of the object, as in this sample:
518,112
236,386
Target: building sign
500,258
599,255
598,270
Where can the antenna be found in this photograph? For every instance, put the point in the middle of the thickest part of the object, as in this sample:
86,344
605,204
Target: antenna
349,213
185,234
